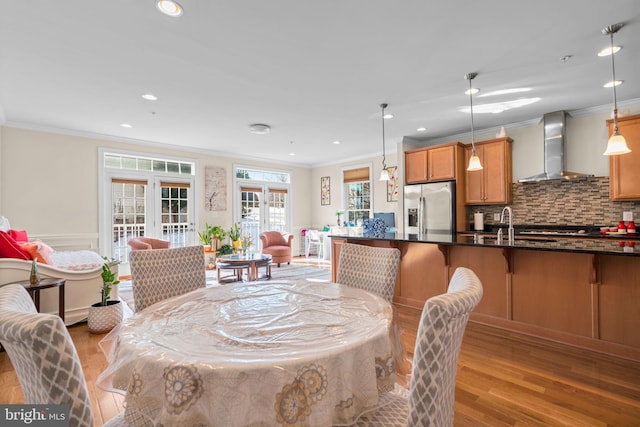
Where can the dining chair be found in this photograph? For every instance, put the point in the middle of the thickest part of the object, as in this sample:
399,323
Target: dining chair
313,239
370,268
431,394
44,357
163,273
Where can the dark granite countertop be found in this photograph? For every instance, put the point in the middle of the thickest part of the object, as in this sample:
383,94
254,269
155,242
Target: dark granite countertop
606,245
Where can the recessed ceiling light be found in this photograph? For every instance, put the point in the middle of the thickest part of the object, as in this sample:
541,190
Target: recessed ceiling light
126,125
169,8
607,50
471,91
388,116
337,142
149,97
422,129
292,154
610,84
259,128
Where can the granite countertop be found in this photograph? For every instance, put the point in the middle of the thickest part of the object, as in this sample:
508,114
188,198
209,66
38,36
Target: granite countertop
606,245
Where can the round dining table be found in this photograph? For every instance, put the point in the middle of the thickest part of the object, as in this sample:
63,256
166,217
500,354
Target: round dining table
284,353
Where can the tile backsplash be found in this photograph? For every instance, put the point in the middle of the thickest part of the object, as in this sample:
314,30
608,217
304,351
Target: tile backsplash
581,202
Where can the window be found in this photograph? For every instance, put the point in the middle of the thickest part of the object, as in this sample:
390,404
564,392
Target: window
357,193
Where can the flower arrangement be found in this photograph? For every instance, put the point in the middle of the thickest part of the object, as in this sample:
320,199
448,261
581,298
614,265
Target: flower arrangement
246,243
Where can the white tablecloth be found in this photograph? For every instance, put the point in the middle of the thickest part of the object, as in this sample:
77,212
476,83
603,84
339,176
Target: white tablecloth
249,354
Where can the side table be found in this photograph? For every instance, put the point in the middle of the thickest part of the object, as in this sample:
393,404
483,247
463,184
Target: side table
49,282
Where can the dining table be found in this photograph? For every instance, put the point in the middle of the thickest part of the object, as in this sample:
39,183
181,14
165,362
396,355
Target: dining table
290,353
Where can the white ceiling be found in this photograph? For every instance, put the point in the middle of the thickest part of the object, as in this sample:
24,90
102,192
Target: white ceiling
315,71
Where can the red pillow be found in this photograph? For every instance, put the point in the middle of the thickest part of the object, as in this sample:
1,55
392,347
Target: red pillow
19,235
9,248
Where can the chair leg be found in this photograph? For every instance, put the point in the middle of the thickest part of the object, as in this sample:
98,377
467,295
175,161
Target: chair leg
278,264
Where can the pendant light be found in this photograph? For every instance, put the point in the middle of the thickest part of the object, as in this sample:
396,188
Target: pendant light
474,160
384,174
616,144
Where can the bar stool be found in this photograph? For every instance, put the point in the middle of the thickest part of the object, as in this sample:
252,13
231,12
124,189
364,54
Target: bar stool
267,268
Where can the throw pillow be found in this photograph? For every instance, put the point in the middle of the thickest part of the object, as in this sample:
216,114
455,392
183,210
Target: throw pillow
19,235
38,250
9,248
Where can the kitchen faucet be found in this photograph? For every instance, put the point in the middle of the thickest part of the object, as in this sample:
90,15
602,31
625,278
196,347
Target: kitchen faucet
511,232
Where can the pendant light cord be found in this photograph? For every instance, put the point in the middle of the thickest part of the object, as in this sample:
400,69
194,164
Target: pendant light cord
615,100
473,144
384,158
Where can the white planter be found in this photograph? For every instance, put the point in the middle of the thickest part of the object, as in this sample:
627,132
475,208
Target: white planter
103,318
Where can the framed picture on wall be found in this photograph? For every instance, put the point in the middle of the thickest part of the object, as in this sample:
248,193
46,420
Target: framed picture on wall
392,184
325,190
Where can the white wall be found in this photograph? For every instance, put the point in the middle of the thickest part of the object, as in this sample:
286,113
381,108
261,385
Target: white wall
50,184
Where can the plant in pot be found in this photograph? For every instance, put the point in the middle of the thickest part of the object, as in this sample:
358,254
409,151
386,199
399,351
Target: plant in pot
217,235
225,250
234,236
205,237
106,314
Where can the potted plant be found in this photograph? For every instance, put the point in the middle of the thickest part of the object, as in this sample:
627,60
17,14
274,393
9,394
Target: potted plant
234,236
217,234
205,237
338,214
106,314
225,250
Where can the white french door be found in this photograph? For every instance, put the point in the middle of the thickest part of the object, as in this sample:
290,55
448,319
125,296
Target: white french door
151,206
261,207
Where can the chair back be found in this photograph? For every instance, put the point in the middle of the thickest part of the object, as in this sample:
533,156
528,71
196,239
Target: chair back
275,238
369,268
145,243
435,359
43,356
313,235
163,273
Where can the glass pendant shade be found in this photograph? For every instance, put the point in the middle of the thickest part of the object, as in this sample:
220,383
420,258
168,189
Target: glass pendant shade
384,175
474,163
616,145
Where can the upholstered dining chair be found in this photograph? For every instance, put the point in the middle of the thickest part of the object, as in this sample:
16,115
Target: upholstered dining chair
145,243
163,273
431,392
370,268
278,245
44,357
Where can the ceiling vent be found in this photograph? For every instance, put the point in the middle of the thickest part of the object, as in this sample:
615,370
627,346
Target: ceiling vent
259,128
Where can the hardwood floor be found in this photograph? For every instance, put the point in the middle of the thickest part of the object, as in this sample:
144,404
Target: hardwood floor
504,379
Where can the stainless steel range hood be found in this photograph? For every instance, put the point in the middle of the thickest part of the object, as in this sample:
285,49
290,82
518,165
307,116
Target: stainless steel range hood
554,150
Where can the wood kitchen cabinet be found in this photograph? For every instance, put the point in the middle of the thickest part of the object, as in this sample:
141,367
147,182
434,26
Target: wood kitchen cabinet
431,164
624,169
492,184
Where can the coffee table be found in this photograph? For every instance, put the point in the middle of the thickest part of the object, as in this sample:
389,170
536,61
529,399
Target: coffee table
253,260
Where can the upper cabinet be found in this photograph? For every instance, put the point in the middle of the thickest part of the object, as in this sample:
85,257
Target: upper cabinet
492,184
436,163
624,169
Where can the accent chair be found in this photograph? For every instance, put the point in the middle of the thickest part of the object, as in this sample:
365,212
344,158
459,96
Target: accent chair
278,245
144,243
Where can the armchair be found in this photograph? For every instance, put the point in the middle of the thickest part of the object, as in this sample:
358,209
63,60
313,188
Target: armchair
278,245
144,243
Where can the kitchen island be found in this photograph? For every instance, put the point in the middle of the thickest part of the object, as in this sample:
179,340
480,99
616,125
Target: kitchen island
580,291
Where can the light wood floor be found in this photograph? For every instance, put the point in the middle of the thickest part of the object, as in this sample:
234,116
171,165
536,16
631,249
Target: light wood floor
504,379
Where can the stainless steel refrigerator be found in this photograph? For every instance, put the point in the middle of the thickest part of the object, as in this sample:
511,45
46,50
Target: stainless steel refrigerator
430,209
